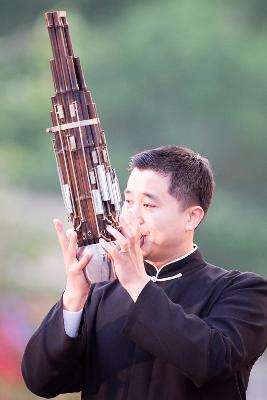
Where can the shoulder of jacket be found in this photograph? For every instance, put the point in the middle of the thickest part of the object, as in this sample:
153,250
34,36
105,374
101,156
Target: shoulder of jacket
235,280
234,276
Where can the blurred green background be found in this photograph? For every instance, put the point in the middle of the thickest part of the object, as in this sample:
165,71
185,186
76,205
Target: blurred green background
187,72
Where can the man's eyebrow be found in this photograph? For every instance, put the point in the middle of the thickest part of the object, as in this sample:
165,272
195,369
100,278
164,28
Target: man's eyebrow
149,195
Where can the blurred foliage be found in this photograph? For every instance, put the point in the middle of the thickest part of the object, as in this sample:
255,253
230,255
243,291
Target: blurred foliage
191,73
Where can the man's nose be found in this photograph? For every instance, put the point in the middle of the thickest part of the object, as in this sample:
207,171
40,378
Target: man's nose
136,209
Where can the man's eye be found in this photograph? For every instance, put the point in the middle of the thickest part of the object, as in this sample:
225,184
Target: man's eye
147,205
127,201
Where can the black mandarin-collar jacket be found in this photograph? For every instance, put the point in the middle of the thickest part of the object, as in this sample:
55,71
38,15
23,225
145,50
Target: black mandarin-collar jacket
190,338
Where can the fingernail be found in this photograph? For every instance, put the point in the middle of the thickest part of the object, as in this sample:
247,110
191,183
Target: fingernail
57,225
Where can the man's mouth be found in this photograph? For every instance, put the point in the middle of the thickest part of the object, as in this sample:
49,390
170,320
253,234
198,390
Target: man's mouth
142,240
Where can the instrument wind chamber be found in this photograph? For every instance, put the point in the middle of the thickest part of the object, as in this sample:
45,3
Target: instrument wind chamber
89,184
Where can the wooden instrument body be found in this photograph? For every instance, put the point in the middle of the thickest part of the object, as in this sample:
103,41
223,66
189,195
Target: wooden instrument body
89,184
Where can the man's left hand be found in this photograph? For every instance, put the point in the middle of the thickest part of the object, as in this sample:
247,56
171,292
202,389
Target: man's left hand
126,255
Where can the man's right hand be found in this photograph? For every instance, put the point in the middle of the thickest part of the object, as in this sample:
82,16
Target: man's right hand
77,287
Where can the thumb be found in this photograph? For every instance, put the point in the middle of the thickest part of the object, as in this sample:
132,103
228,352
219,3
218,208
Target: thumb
85,258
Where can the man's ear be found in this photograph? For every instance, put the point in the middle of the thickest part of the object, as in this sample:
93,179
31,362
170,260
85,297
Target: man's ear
195,214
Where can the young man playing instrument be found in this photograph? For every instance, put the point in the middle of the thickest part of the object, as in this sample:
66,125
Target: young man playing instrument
170,326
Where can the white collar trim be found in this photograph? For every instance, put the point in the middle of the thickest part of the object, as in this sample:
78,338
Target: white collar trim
156,279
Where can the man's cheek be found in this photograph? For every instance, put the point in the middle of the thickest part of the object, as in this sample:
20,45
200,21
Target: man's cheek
157,237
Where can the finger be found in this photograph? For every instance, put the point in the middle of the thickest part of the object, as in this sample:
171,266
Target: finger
109,248
130,229
85,259
62,238
122,240
81,251
72,247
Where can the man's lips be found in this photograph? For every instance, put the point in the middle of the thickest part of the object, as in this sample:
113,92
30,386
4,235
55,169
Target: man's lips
142,240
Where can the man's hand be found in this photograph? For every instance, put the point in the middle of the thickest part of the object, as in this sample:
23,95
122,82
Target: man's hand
77,287
126,254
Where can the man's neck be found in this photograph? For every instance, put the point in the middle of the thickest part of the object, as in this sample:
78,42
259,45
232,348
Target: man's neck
177,257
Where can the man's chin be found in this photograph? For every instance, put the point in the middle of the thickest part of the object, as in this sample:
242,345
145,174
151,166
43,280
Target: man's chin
145,252
145,247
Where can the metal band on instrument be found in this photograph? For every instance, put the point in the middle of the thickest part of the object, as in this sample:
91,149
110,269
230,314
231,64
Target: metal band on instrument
100,169
109,182
97,202
71,125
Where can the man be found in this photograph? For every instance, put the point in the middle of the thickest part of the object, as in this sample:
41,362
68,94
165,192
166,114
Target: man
170,327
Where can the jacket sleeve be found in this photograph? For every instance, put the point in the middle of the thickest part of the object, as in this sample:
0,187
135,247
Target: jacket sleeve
230,337
53,362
